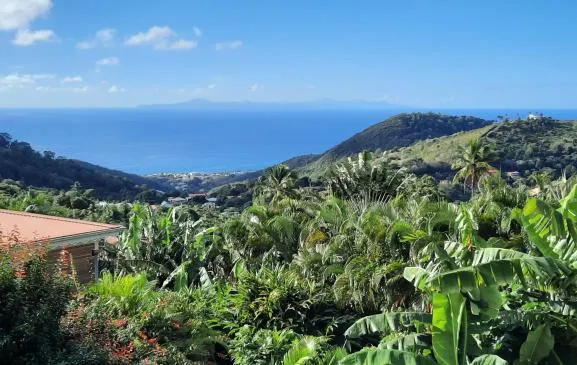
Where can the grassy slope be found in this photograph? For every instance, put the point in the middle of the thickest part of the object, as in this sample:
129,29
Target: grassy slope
398,131
442,149
523,146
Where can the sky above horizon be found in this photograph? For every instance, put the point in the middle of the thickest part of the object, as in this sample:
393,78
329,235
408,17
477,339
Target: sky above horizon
442,54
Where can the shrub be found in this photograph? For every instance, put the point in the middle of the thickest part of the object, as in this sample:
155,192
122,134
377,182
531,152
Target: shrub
33,300
260,347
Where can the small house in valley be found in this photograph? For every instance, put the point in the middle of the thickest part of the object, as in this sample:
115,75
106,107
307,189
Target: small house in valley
80,239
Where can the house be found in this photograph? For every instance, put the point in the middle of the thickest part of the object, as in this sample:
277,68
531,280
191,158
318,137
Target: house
512,174
79,238
177,200
197,195
166,205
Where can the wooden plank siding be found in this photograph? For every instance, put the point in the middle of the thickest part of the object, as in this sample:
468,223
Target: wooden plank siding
81,258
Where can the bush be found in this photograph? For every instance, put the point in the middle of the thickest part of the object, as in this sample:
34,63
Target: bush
33,300
260,347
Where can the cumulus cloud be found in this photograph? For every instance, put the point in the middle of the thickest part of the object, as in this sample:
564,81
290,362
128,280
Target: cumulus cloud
197,31
71,79
18,81
26,37
177,45
19,14
221,46
75,90
102,38
161,38
115,89
105,35
110,61
256,87
155,35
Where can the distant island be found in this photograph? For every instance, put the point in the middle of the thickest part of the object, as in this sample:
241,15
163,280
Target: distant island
206,104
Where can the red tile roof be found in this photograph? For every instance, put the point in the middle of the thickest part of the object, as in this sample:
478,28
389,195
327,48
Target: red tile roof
34,227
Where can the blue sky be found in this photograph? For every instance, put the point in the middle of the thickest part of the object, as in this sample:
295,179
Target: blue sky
423,53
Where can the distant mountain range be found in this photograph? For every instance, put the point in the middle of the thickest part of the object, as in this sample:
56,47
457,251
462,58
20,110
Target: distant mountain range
204,104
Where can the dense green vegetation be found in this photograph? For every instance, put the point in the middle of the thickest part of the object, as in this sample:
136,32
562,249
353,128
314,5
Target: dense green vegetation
524,146
399,131
377,263
376,268
20,162
74,202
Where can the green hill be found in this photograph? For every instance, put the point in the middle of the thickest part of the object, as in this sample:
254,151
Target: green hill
398,131
20,162
524,146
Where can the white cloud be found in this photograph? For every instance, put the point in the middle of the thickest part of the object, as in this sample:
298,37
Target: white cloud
103,37
41,76
19,14
155,35
85,45
79,89
27,38
197,31
161,38
181,44
75,90
16,80
115,89
256,87
221,46
71,79
211,86
110,61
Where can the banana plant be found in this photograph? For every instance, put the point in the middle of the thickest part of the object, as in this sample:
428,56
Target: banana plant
469,281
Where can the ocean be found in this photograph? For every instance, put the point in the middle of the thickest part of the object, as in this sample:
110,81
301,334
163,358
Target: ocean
146,141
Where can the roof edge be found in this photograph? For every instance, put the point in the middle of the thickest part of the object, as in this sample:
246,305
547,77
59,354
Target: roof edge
62,242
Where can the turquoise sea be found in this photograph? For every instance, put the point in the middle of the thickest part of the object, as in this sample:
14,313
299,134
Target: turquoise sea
149,141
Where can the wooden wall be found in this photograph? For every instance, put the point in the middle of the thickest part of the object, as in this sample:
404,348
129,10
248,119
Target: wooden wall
81,258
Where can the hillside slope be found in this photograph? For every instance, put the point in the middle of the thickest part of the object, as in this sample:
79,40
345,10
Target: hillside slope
523,146
398,131
20,162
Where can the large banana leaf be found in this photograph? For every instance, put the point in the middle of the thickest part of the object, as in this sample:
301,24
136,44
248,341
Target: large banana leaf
494,266
449,314
416,275
303,351
386,323
411,342
538,345
473,277
374,356
486,302
552,231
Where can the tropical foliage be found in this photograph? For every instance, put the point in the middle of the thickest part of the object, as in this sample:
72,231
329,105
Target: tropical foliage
378,266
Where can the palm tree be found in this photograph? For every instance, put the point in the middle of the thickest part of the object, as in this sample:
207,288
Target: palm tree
473,162
277,183
366,179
